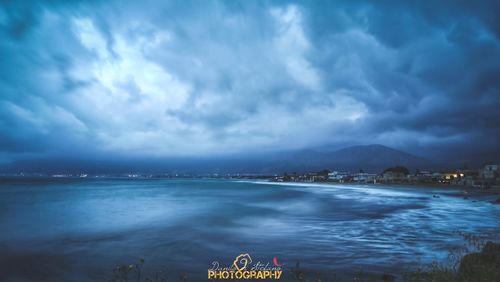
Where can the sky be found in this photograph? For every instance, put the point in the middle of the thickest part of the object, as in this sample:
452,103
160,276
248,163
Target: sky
85,79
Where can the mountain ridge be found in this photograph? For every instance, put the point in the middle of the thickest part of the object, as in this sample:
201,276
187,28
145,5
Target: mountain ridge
369,158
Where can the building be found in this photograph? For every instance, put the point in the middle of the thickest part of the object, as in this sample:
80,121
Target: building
453,177
338,175
470,177
490,175
490,171
364,177
420,176
319,176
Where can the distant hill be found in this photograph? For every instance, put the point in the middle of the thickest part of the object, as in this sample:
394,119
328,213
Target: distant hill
369,158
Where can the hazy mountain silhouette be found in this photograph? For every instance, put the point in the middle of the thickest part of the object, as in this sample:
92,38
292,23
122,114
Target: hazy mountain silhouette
369,158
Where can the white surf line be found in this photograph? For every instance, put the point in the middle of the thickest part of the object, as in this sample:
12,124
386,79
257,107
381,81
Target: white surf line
367,189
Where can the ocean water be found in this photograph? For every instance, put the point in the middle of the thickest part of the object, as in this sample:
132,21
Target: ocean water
80,229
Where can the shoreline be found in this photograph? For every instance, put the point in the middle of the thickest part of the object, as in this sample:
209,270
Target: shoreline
467,192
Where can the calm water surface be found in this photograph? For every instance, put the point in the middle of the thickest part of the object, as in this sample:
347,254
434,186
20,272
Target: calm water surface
79,229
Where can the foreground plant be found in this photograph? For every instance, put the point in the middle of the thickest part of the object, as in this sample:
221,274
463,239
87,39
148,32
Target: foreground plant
133,272
477,260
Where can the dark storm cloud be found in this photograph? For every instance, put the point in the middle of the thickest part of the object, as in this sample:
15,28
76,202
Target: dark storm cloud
440,85
208,77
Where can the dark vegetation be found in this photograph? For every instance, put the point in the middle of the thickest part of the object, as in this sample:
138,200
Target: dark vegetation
398,169
477,260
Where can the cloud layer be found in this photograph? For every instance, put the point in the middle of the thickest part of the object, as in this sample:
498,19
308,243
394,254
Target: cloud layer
171,78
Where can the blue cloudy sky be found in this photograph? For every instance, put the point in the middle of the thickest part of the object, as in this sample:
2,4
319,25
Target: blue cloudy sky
175,78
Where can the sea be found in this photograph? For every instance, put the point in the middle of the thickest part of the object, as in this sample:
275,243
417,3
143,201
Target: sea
82,229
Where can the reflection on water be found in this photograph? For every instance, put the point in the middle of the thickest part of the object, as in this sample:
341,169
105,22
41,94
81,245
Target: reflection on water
78,229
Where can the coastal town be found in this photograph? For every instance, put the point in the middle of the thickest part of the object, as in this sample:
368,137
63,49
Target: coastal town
484,178
487,177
